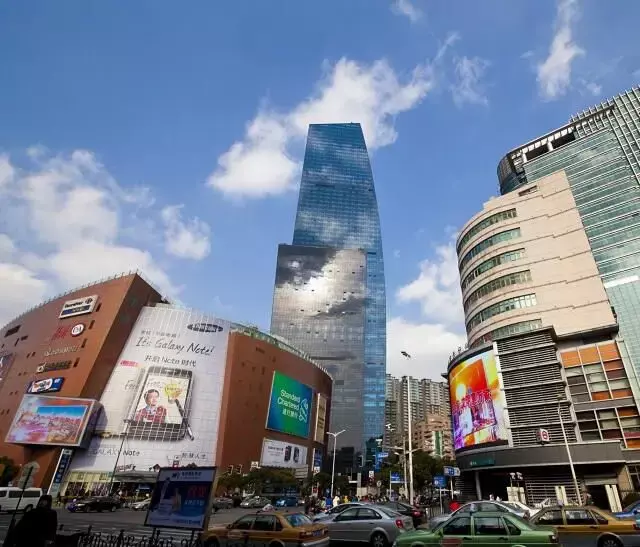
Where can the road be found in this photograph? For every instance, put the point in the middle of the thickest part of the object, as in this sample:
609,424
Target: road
132,522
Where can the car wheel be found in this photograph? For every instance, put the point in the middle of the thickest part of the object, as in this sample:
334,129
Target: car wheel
379,540
28,508
212,543
609,541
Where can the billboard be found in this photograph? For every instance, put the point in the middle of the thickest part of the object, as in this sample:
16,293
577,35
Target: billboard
283,454
57,421
48,385
162,401
289,406
181,498
477,402
321,418
78,306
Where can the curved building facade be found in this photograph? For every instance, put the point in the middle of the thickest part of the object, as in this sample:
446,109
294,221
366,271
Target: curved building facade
525,262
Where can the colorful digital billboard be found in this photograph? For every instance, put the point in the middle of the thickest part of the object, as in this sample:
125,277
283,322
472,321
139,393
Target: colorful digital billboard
289,406
477,402
58,421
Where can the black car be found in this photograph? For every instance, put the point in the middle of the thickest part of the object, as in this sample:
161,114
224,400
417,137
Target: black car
417,514
96,503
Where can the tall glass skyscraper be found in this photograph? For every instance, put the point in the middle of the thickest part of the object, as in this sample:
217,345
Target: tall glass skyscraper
599,150
329,298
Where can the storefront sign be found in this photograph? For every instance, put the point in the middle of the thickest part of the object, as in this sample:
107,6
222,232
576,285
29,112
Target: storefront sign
47,385
58,351
180,498
77,330
48,367
79,306
481,462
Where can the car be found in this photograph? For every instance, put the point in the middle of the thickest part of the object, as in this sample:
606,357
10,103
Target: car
418,515
255,502
96,503
222,503
473,507
481,529
631,511
289,501
141,505
273,528
588,525
521,509
373,524
11,496
333,511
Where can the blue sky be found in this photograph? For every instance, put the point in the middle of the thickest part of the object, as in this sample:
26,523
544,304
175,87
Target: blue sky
168,136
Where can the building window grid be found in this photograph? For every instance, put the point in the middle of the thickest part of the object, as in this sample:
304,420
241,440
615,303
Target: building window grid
510,304
484,224
489,264
487,243
515,278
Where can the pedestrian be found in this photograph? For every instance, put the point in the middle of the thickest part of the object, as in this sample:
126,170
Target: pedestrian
37,528
454,505
336,500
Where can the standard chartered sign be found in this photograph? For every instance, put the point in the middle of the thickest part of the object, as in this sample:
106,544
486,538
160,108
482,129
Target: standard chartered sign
290,406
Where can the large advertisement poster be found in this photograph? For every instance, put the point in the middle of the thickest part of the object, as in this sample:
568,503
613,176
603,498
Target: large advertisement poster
283,454
58,421
180,498
162,401
289,406
321,418
477,402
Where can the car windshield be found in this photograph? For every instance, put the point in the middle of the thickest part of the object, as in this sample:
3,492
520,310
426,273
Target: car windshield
631,507
298,519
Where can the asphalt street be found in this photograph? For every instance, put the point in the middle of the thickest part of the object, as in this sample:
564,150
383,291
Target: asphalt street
132,522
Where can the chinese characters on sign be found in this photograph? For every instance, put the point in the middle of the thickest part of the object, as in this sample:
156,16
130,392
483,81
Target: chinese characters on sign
290,406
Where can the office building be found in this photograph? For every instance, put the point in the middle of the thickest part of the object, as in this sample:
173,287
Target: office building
428,397
550,286
329,297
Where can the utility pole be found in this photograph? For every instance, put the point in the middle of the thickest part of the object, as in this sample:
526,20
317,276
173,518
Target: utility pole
408,357
333,468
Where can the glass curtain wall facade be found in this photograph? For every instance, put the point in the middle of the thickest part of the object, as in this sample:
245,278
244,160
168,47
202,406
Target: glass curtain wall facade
600,153
337,252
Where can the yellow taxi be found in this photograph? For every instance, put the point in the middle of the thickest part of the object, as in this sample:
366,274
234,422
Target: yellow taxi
268,529
586,526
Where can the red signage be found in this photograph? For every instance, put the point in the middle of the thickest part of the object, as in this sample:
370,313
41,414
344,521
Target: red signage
61,332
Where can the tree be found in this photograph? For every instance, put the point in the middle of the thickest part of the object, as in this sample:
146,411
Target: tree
8,470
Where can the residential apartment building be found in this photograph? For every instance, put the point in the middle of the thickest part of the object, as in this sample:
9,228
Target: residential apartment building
433,435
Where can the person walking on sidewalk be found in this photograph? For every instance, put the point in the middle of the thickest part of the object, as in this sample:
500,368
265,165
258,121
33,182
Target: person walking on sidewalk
37,528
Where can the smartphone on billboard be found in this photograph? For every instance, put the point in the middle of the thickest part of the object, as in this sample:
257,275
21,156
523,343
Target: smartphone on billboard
161,408
296,455
117,401
287,453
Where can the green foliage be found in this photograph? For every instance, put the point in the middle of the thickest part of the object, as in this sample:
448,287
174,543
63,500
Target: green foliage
9,472
257,479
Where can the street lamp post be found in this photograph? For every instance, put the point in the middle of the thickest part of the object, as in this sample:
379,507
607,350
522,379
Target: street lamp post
408,357
333,467
566,445
115,465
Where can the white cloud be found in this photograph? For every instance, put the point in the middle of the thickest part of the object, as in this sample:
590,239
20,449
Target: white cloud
440,331
468,87
429,344
185,239
592,88
437,288
65,216
407,9
554,73
263,162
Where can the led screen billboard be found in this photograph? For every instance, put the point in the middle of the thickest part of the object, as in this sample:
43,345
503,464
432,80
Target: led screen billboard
477,402
289,406
58,421
162,401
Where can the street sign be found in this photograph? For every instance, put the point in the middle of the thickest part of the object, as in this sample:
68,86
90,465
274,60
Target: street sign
382,455
371,474
395,477
440,481
451,471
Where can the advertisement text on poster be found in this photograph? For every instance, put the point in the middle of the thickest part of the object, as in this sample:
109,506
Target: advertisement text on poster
477,402
180,498
321,418
283,454
289,406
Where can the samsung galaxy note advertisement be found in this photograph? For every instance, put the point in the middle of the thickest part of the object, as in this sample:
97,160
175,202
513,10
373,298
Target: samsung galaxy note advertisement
283,454
163,397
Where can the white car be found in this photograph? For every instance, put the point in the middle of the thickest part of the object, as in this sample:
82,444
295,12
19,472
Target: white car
525,509
141,505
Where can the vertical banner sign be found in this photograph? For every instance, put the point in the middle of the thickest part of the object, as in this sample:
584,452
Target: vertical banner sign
63,464
321,418
289,406
181,497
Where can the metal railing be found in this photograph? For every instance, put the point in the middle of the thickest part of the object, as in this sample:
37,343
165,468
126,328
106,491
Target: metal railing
77,537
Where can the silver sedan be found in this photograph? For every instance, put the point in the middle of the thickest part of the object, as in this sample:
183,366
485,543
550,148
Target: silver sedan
378,526
474,507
